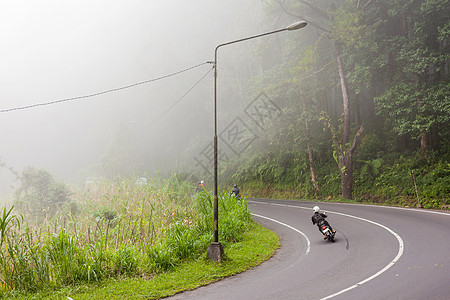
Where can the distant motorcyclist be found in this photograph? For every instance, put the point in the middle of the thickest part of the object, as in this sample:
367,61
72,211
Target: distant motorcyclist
235,191
319,219
201,186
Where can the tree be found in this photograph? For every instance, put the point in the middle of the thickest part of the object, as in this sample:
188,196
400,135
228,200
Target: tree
344,158
334,20
417,100
358,58
39,193
416,110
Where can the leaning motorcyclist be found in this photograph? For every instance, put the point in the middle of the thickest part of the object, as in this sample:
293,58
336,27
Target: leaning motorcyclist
319,219
235,191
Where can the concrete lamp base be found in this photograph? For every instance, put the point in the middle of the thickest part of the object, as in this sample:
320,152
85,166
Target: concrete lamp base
215,251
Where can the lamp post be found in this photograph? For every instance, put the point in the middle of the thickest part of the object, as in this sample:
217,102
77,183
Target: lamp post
215,249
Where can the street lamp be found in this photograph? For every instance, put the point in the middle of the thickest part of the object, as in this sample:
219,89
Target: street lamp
215,249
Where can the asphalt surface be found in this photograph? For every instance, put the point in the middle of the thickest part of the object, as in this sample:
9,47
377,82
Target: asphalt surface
380,253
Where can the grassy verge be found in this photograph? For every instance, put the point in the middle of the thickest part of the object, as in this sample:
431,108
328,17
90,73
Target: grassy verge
257,245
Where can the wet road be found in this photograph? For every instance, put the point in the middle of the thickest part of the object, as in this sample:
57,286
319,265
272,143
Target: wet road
379,253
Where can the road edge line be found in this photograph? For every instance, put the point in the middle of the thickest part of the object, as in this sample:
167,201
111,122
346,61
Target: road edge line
308,242
396,258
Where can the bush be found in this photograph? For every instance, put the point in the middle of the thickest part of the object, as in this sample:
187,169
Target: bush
62,251
161,258
182,240
231,227
39,194
125,260
96,242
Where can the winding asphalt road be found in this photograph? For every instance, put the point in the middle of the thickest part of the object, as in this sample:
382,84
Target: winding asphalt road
380,253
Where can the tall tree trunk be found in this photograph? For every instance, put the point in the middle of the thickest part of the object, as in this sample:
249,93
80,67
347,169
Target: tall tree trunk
345,99
346,163
357,109
344,151
312,168
423,134
346,159
423,144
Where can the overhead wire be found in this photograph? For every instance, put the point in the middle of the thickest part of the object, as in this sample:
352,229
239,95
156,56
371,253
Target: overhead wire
103,92
181,98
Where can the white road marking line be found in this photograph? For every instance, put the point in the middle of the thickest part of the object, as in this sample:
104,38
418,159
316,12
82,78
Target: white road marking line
367,205
396,258
308,242
395,207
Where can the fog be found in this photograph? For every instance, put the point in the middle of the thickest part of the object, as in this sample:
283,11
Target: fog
56,50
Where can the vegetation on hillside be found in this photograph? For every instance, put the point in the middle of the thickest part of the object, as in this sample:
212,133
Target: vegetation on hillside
355,102
366,102
113,230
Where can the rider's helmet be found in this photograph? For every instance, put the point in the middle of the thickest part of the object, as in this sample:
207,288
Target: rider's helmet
235,185
316,209
202,181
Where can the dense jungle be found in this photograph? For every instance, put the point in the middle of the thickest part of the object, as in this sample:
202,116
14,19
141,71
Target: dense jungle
364,105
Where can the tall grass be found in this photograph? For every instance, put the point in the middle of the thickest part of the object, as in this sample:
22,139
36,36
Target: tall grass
114,229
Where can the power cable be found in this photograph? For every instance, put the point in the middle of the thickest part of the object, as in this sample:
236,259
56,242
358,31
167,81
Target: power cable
103,92
181,98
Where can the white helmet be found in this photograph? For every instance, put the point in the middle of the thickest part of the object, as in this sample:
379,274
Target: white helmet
316,209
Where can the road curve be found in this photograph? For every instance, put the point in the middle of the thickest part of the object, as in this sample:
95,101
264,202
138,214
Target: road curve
380,253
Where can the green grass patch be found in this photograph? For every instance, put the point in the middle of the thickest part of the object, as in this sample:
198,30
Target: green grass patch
257,245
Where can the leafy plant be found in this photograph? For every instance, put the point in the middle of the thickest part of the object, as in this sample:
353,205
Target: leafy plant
125,260
62,251
371,167
161,258
182,240
7,221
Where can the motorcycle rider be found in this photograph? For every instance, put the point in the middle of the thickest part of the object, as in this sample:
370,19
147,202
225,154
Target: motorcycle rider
235,191
201,186
319,219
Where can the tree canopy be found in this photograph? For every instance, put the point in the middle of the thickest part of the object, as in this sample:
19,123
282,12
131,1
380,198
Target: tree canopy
39,194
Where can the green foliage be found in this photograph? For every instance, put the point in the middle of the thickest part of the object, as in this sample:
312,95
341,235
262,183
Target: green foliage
258,244
395,58
288,169
93,246
371,168
182,240
161,258
62,250
203,205
416,110
39,194
7,221
16,267
234,216
125,260
72,263
393,182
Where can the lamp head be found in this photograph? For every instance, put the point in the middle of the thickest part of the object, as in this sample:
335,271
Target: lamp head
297,25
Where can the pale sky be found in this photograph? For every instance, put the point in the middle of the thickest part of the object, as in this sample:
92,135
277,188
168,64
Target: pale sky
58,49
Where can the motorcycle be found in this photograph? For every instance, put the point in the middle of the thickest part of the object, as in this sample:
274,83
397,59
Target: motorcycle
237,196
327,232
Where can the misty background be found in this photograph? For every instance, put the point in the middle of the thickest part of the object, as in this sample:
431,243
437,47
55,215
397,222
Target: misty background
53,50
359,97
